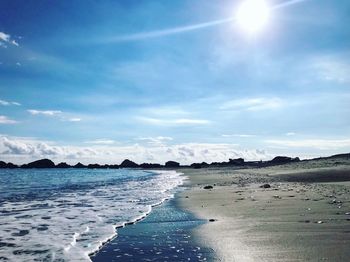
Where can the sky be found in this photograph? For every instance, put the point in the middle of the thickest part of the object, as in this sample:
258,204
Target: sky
101,81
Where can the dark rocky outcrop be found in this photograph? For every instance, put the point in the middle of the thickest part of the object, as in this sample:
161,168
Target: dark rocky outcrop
199,165
236,162
279,160
208,187
10,165
3,164
42,163
150,165
172,164
94,166
79,165
63,165
128,164
7,165
265,186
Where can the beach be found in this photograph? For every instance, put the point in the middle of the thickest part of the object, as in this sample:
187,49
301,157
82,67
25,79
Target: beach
293,212
166,234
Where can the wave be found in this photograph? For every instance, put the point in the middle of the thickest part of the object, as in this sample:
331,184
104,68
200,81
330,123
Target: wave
72,224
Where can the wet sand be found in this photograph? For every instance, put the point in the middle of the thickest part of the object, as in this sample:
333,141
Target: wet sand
303,216
164,235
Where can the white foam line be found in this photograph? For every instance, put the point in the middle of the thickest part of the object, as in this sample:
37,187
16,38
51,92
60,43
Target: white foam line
135,220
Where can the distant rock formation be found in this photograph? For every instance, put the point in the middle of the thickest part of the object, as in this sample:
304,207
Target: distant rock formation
236,162
80,165
128,164
199,165
172,164
150,165
63,165
93,166
232,163
7,165
283,160
42,163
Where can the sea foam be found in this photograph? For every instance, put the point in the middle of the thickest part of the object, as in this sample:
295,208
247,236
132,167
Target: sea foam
66,215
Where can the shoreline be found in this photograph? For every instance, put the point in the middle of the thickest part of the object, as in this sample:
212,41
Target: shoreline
164,232
140,218
287,221
167,205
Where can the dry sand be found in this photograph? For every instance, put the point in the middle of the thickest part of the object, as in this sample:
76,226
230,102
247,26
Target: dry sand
291,221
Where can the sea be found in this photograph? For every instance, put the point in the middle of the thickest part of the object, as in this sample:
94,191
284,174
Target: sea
68,214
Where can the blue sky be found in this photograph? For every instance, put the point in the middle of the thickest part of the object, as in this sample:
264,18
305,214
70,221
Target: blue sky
99,81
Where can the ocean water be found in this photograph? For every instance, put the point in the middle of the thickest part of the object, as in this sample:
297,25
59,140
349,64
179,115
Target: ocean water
67,214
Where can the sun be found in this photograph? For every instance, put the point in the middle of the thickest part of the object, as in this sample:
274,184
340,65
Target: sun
253,15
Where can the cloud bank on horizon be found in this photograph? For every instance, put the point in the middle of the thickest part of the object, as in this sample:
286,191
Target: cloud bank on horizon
154,90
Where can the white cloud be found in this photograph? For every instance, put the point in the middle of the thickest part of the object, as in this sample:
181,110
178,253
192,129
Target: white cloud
8,103
238,135
44,112
6,120
159,140
177,121
253,104
321,144
290,134
19,149
14,43
101,142
331,68
6,38
74,119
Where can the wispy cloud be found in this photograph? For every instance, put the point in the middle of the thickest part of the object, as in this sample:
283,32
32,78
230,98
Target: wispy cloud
177,121
253,104
159,140
322,144
238,135
56,114
74,119
6,120
185,28
45,112
9,103
331,68
290,134
6,39
102,141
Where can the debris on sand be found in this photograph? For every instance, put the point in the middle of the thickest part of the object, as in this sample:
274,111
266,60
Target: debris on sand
208,187
265,186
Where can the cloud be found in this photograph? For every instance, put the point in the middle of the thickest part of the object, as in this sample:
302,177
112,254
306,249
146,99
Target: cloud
6,120
6,38
159,140
321,144
8,103
45,112
19,149
238,135
253,104
290,134
74,119
174,122
101,142
331,68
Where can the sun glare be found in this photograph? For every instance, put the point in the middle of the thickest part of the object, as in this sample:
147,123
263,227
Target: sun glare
253,15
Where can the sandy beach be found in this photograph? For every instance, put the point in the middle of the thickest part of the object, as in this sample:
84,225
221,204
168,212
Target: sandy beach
302,213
